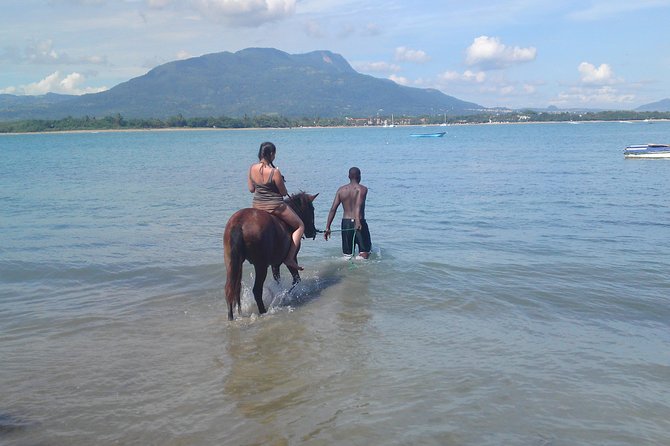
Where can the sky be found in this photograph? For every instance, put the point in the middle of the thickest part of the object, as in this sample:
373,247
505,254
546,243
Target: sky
612,54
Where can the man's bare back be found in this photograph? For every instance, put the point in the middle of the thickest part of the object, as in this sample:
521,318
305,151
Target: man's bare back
352,196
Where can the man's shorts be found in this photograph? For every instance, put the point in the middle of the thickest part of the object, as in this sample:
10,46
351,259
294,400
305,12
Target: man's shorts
362,237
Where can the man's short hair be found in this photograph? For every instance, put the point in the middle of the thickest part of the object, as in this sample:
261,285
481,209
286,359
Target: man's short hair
355,173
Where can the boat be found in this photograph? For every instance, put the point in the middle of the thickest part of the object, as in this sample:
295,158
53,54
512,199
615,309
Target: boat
428,135
647,151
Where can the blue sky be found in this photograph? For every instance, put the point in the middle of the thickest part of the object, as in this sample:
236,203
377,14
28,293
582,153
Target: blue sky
611,54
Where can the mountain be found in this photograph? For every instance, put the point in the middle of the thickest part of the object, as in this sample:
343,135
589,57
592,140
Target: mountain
9,100
250,82
661,106
18,107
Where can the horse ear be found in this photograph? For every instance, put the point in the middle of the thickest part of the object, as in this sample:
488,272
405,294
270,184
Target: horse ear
312,197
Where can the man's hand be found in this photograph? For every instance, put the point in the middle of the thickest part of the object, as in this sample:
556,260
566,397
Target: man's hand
326,234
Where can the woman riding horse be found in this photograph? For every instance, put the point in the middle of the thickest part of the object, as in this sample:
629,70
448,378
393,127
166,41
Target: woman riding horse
262,239
269,233
267,184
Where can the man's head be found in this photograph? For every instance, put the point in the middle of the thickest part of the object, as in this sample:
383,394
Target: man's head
355,174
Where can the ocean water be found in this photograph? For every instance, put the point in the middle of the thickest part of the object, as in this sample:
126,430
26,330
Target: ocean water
518,291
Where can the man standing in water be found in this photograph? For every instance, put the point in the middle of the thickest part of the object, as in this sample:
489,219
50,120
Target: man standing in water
352,196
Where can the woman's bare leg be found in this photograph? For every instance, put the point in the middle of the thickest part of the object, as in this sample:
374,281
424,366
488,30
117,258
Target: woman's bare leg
291,257
289,216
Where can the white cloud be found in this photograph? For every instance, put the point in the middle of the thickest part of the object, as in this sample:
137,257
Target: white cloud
55,83
43,53
404,54
529,89
313,29
590,74
341,31
245,12
376,67
601,96
466,76
80,2
399,79
604,9
183,54
158,4
96,60
451,76
491,88
372,29
490,53
71,82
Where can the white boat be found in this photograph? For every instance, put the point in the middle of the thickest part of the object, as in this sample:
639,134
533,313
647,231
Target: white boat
647,151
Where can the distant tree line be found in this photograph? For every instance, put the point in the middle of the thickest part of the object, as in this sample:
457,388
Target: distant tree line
118,122
556,116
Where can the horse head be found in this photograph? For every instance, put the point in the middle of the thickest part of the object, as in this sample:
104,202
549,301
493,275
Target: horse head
301,203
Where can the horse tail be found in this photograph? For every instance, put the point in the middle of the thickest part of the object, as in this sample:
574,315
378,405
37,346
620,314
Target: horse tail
234,253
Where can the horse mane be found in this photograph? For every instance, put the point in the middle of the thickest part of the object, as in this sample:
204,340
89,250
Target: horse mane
301,203
299,199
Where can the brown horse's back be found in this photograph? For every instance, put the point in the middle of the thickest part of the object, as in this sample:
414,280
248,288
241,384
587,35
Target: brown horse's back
263,240
256,236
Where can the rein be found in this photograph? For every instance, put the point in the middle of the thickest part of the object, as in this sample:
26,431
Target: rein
352,265
336,230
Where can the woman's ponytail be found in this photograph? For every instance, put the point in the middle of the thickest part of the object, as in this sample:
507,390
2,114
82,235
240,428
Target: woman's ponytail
266,151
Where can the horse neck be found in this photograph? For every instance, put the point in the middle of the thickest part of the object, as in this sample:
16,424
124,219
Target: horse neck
294,203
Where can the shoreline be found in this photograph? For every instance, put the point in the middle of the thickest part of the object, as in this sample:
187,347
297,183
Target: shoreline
167,129
214,129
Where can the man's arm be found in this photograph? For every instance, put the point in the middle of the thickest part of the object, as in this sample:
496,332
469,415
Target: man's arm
360,203
331,214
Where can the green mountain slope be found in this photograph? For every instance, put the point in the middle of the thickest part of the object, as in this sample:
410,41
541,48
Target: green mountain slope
251,82
662,106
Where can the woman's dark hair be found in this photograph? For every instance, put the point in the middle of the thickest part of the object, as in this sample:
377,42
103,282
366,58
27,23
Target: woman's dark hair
266,151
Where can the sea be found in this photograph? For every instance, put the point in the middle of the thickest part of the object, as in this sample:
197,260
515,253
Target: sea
518,291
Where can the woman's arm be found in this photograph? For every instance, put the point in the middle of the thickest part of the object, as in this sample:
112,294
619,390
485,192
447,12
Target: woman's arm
250,183
279,182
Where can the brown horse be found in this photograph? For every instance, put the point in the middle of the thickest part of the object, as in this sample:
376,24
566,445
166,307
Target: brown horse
264,240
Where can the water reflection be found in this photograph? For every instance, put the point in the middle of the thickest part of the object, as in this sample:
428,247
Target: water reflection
305,363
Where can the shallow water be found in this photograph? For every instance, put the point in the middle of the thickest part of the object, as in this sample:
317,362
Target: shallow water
517,293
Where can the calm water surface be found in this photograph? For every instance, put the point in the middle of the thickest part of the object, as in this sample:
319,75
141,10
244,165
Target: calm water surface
518,292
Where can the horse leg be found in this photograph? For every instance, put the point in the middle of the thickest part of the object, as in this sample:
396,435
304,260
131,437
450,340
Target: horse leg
261,274
294,272
296,276
275,272
233,253
233,285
